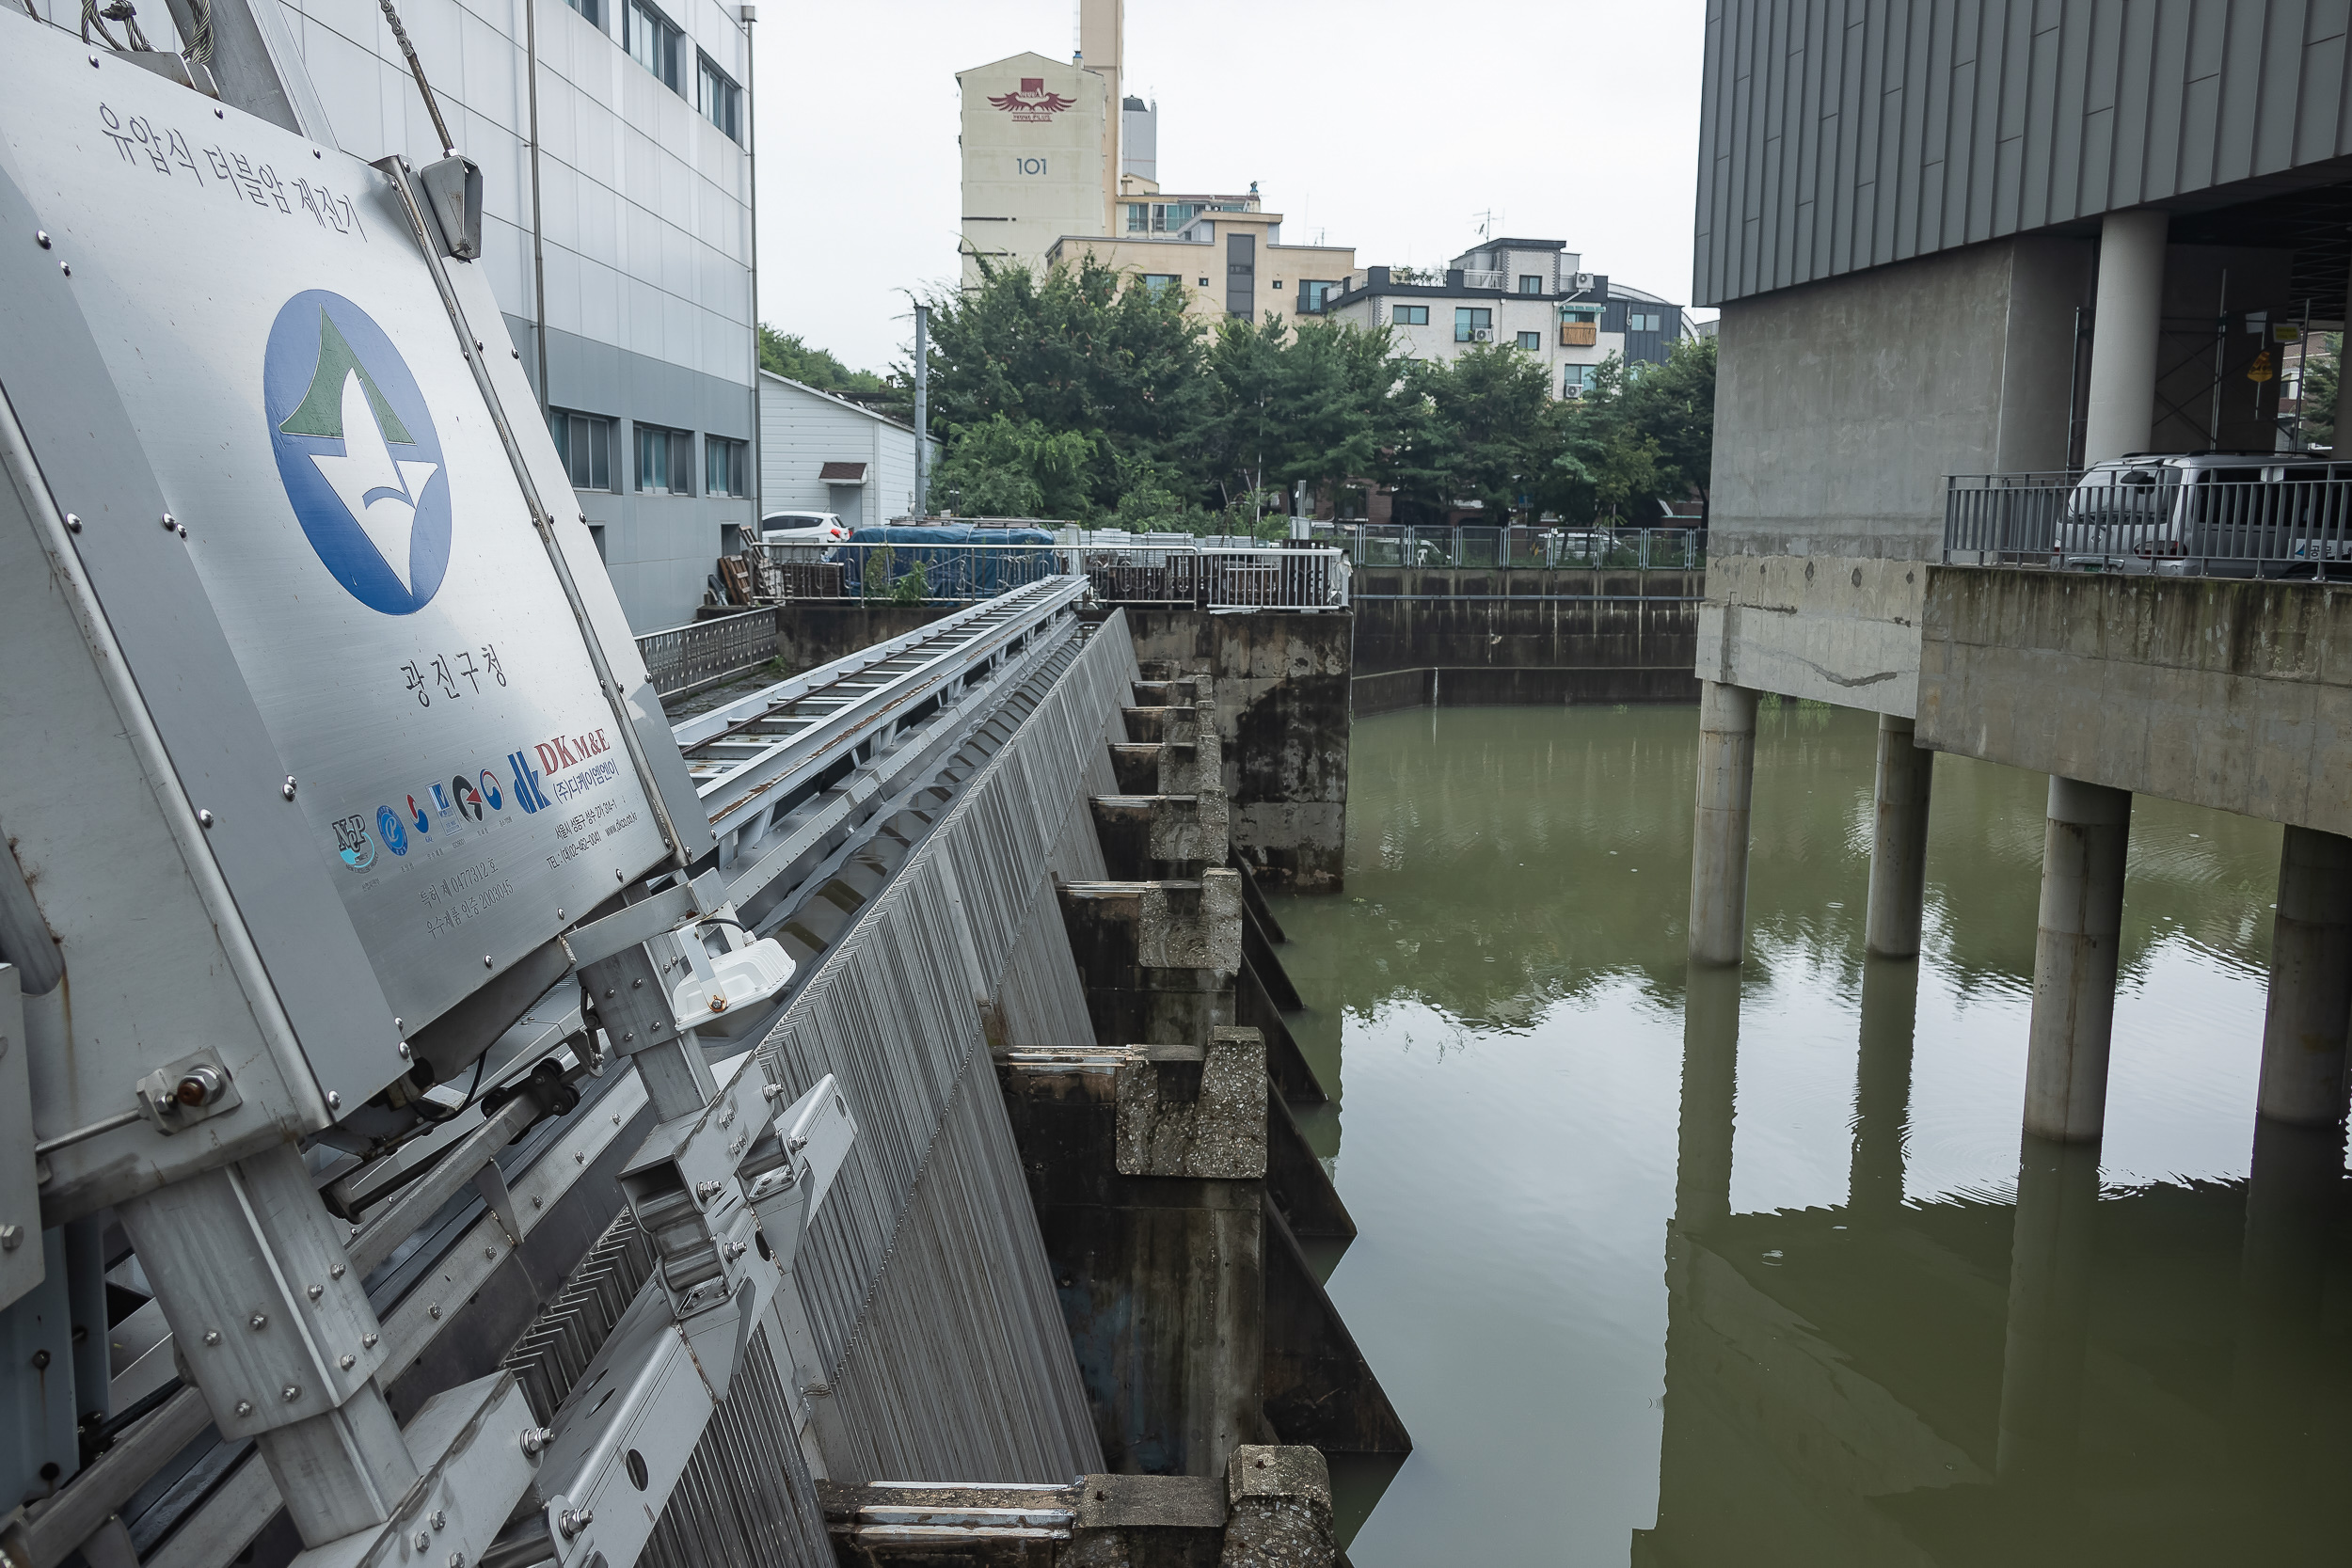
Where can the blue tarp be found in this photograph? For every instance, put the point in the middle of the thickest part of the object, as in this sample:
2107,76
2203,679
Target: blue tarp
949,572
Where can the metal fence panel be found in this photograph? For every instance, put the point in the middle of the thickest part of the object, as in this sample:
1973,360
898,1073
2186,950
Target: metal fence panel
2297,524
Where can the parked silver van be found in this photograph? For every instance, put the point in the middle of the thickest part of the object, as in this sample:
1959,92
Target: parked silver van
2211,513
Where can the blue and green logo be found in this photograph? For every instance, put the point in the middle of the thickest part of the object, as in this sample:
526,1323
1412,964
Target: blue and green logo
358,453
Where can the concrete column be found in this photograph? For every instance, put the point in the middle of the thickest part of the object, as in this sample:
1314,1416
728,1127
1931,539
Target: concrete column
2073,960
1899,847
1719,829
2310,981
2121,410
2049,1314
1881,1095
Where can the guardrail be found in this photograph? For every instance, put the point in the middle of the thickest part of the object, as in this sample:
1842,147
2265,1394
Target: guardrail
1137,569
1519,546
687,658
2298,525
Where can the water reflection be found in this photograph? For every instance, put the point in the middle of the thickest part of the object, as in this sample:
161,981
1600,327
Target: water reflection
1884,1329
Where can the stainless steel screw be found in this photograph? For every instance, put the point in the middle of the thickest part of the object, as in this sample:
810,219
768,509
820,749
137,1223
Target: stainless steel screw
292,1391
367,1341
245,1408
439,1520
487,962
203,819
40,238
289,786
346,1361
335,1271
72,524
170,522
211,1335
258,1321
317,1290
334,1100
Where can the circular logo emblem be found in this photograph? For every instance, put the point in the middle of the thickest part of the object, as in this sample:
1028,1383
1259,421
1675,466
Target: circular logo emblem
395,836
356,452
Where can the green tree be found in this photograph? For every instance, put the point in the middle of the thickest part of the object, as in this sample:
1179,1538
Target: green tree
1672,405
998,468
1076,351
784,354
1487,432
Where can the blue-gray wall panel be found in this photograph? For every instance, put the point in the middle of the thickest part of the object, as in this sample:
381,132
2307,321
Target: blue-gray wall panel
1838,135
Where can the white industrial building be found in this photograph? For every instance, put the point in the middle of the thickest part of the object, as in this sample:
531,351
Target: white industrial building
819,452
641,211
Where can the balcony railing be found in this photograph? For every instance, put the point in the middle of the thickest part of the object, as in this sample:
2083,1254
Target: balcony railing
1485,280
2178,523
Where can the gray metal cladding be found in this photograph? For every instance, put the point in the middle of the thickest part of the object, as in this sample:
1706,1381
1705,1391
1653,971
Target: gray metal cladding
745,1500
925,1279
1838,135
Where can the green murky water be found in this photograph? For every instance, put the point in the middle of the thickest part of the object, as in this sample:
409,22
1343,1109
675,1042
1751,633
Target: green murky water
1739,1271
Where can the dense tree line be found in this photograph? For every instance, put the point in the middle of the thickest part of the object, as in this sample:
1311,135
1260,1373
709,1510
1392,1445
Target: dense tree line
1077,394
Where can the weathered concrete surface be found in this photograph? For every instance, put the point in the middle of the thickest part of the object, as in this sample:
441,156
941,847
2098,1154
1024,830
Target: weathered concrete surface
1840,409
1719,829
2310,981
2225,693
810,632
1190,1110
1281,1503
1280,690
1842,630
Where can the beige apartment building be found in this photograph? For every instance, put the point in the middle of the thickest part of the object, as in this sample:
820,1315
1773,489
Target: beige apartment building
1059,164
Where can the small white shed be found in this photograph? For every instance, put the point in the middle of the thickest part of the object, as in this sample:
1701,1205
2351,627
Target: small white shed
819,452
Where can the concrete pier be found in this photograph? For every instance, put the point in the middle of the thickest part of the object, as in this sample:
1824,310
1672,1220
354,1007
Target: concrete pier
2120,414
1719,831
2073,960
2310,981
1898,844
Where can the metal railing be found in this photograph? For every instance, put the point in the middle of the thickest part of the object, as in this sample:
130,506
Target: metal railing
1519,546
1213,573
1166,570
2177,524
686,658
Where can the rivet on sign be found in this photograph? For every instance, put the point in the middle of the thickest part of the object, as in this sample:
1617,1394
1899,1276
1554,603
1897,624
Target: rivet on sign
434,1310
334,1100
40,238
367,1341
486,962
72,524
94,65
218,114
538,1202
316,1292
316,153
292,1391
515,352
170,522
66,267
245,1408
203,819
477,345
184,531
347,1361
490,1252
289,790
404,1050
259,1321
334,1271
211,1335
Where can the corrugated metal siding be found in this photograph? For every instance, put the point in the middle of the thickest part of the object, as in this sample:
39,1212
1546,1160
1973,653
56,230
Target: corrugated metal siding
800,432
930,1212
1837,135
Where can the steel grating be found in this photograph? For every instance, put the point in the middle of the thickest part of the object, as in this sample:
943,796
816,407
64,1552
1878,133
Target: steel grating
894,1011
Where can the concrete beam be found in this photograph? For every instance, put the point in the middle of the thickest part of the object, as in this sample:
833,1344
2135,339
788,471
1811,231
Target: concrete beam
1188,1110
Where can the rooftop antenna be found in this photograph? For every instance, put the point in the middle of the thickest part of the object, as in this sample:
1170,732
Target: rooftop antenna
1485,223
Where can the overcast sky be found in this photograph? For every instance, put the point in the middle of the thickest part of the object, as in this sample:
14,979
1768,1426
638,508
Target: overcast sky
1387,126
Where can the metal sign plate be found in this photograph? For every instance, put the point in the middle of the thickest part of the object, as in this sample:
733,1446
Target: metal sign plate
300,394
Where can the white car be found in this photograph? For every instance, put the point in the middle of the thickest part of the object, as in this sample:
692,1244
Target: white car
802,528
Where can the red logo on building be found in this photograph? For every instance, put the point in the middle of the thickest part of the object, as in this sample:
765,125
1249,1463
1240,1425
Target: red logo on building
1033,102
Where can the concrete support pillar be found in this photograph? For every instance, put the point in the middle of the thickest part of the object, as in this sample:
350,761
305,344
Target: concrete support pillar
2310,981
1898,846
2121,410
2049,1314
1881,1095
1719,829
2073,960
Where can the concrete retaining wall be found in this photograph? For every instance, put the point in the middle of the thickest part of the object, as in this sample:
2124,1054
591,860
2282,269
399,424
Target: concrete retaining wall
2231,694
1282,682
1467,637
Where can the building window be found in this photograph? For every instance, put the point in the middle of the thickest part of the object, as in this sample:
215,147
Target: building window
1204,282
665,460
1410,315
725,466
1531,339
1473,324
1314,293
1158,283
1642,321
589,10
1530,283
1572,380
585,442
1139,218
653,42
721,101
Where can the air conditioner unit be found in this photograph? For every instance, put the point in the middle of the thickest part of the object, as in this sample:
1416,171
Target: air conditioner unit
1482,334
1583,279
